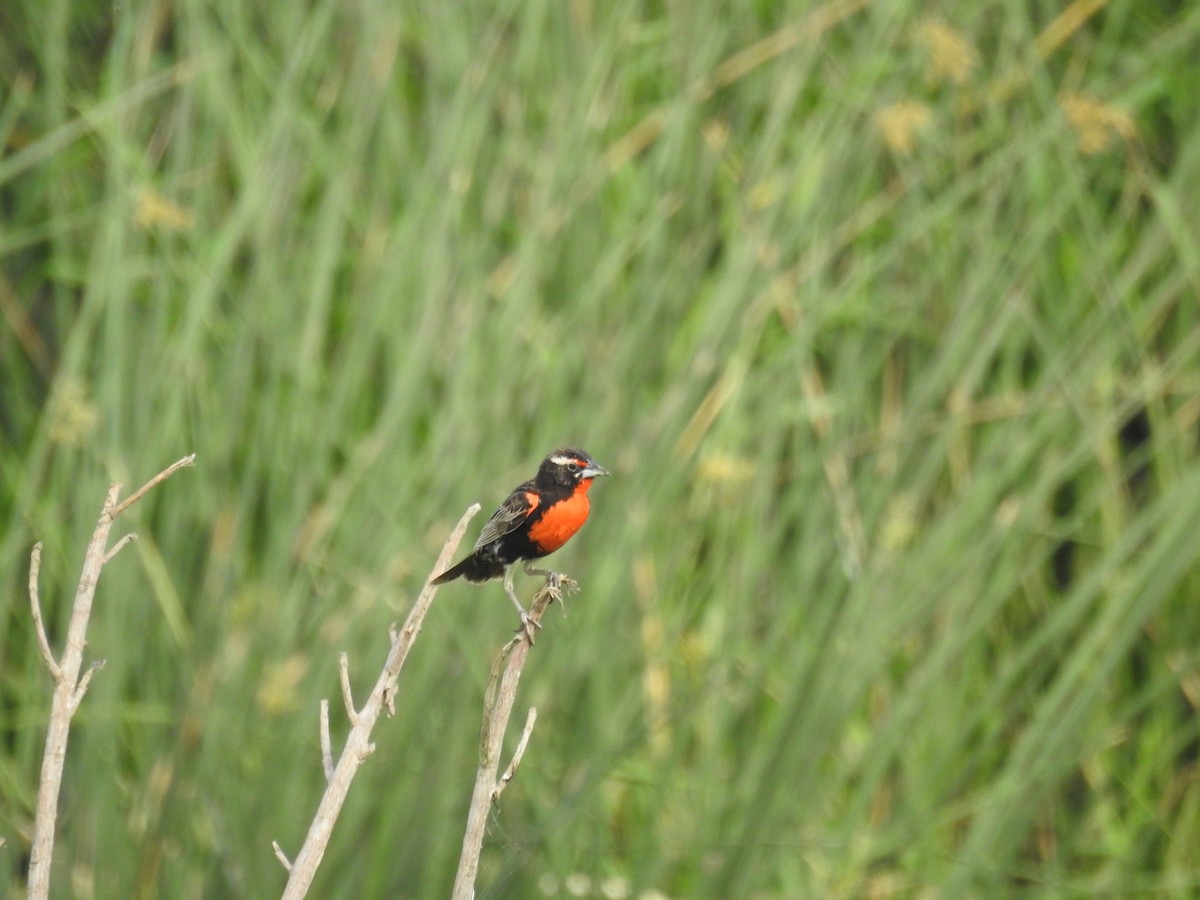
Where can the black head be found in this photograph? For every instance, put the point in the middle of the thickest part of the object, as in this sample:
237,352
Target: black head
568,467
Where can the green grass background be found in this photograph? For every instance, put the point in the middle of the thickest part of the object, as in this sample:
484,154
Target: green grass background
883,315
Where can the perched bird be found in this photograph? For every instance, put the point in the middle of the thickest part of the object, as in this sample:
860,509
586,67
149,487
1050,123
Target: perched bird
537,518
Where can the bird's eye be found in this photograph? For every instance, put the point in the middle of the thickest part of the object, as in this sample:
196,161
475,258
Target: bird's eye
573,467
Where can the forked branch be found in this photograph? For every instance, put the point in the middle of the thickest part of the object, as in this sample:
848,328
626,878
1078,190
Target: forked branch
358,747
69,687
498,703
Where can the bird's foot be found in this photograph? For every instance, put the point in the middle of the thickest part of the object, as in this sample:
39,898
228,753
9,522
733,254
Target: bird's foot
529,626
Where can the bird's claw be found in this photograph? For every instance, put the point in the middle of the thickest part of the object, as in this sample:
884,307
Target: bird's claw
528,627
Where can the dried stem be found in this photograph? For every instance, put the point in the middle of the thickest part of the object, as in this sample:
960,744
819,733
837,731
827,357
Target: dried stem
154,482
347,694
358,746
118,546
281,856
69,687
81,688
326,743
517,755
498,703
35,566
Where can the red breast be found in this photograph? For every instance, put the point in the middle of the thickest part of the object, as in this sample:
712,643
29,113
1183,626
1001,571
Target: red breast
561,520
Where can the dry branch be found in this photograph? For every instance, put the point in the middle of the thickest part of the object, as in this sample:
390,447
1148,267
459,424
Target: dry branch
35,566
358,747
498,703
69,687
326,743
518,754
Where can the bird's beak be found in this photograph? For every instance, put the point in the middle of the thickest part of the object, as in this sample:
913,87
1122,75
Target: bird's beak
592,470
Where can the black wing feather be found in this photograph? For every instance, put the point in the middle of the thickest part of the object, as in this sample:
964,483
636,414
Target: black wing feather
515,509
482,564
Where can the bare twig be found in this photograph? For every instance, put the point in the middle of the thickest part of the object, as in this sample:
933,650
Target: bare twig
69,687
281,856
347,694
326,744
517,755
35,565
497,709
81,688
153,483
357,747
118,546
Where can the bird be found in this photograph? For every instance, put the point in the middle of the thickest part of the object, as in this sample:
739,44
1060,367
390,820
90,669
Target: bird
538,517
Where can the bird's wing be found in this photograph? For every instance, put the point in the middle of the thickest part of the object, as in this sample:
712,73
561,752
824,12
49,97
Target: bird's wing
516,508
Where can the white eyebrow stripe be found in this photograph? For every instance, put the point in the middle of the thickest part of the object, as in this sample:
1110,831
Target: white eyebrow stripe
562,460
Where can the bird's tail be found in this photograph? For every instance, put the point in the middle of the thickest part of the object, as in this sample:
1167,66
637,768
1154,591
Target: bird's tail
473,569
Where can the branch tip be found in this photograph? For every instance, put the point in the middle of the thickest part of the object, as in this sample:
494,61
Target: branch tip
281,856
347,695
35,566
116,548
84,682
153,482
326,744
